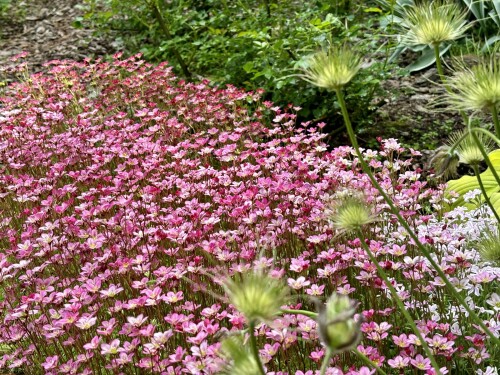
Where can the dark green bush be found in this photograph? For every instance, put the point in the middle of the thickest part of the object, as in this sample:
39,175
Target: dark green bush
248,43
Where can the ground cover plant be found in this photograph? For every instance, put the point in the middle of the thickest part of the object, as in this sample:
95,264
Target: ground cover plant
154,225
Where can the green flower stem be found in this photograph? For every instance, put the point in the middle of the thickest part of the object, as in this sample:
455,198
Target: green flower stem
483,190
471,131
487,133
309,314
399,302
253,346
485,154
326,361
369,362
403,222
439,65
496,122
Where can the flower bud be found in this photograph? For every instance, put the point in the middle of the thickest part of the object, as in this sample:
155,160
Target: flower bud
338,329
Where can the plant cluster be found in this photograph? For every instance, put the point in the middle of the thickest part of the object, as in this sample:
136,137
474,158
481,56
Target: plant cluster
143,218
250,44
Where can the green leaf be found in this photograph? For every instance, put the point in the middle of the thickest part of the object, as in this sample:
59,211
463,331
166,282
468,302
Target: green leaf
468,183
372,10
427,59
248,67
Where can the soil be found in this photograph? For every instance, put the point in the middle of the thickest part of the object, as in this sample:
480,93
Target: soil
44,29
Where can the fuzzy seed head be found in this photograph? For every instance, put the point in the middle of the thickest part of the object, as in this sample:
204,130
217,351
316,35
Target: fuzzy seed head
257,296
338,329
433,23
467,149
489,246
476,88
351,212
241,360
333,69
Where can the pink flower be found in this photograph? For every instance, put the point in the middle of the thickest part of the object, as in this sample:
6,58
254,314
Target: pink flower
111,348
421,363
50,362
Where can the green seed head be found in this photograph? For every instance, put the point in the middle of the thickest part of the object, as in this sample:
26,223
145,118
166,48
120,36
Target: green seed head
338,330
467,149
476,88
433,23
333,69
489,246
257,296
351,212
241,360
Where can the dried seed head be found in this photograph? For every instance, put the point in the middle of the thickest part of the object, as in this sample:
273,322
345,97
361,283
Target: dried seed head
338,330
257,296
465,150
332,69
445,162
433,23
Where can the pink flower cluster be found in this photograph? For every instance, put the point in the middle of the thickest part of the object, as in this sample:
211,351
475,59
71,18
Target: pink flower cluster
123,191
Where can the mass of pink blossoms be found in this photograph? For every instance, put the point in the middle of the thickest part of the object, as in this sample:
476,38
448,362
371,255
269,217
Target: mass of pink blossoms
123,191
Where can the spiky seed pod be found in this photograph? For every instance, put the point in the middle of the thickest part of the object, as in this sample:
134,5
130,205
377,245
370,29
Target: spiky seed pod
433,23
488,246
241,360
332,69
476,88
338,330
351,212
256,295
465,150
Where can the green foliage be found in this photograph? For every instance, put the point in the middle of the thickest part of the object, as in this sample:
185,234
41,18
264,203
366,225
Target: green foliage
251,44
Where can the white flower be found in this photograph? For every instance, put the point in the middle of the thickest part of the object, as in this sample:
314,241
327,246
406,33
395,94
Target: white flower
489,371
494,301
470,195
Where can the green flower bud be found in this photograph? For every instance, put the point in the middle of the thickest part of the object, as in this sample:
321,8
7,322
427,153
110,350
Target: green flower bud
338,330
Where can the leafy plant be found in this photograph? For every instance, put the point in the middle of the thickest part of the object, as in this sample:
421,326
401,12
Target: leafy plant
251,44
